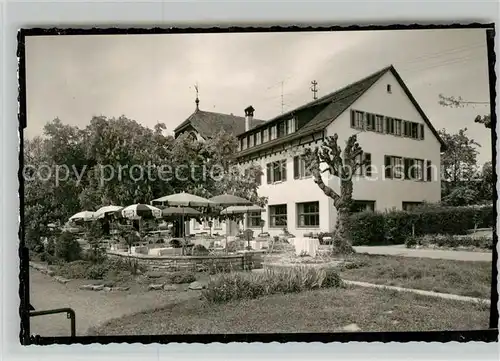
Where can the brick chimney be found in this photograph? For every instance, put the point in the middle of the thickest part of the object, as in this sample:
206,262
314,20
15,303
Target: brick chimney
248,117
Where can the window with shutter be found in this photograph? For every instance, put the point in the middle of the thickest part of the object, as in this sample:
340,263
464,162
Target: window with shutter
388,166
398,170
398,126
353,118
410,169
429,171
296,174
368,165
421,132
379,123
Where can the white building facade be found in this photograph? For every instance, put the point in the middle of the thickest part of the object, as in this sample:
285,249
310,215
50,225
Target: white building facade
396,136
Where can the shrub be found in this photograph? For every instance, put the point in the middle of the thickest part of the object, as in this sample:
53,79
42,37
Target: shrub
411,242
97,271
452,241
236,245
67,248
33,241
175,243
219,267
394,227
366,228
234,286
181,277
50,259
75,269
199,250
125,265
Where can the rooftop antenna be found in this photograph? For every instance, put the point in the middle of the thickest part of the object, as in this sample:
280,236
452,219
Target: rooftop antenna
314,90
197,101
282,102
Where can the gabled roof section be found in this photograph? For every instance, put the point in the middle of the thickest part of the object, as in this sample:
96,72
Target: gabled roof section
331,106
208,124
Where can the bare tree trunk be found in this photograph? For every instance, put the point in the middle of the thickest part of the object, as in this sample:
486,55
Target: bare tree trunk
341,243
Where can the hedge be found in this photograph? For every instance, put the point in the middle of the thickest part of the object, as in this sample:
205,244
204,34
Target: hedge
394,227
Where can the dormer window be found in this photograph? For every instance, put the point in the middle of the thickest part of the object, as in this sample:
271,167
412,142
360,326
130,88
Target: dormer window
290,126
257,138
273,132
265,135
389,88
250,141
281,129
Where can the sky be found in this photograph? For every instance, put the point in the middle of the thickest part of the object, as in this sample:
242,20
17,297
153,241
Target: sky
151,78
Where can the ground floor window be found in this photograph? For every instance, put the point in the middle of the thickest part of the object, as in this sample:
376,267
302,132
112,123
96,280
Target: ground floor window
361,206
278,215
409,206
253,220
308,214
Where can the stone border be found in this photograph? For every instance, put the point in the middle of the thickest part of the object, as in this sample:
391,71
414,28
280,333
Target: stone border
91,287
182,258
270,266
448,296
47,271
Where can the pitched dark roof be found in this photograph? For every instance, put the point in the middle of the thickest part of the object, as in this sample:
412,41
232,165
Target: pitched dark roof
209,123
326,109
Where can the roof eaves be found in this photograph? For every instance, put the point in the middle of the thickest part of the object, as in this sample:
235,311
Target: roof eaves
419,109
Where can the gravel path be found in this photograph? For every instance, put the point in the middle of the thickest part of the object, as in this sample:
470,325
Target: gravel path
91,308
401,250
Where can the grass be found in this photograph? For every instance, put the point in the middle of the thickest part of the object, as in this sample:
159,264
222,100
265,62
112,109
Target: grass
446,276
326,310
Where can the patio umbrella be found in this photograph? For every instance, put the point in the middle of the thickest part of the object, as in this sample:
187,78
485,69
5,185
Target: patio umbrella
242,210
101,212
82,216
188,211
184,199
141,210
180,211
230,200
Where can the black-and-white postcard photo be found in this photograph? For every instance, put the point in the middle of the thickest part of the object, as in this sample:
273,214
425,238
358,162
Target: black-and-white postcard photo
254,184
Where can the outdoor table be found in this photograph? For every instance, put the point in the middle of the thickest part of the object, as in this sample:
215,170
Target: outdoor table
308,246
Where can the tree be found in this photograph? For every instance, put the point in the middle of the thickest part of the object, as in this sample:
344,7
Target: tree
67,248
46,199
459,168
343,167
94,236
227,176
450,101
486,183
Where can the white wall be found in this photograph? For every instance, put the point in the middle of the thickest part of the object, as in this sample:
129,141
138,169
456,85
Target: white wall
389,193
291,192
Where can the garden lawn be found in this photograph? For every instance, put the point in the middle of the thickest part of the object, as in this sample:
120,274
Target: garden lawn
446,276
326,310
